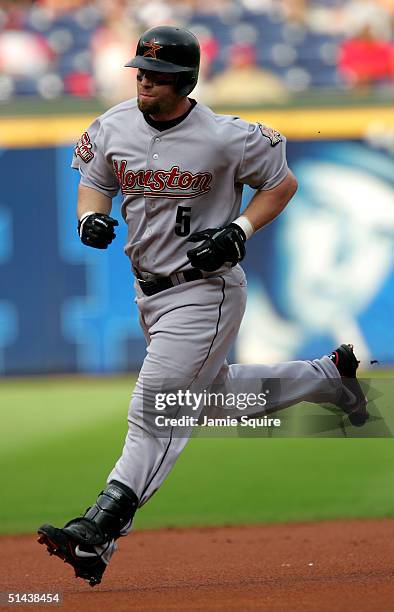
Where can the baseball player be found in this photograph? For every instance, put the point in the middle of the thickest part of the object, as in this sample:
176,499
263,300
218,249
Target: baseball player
181,170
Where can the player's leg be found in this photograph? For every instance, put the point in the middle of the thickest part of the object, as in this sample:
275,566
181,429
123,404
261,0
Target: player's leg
189,341
330,379
284,383
190,330
87,543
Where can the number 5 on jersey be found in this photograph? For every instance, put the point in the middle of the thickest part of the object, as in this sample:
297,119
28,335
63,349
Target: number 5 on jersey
183,214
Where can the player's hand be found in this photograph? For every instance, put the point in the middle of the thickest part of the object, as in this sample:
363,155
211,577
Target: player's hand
96,230
219,245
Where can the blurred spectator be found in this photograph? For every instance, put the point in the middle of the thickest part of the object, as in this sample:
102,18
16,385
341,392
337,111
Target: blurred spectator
113,44
244,83
360,14
79,84
152,13
217,7
13,14
388,5
209,51
259,6
57,7
24,54
295,11
365,60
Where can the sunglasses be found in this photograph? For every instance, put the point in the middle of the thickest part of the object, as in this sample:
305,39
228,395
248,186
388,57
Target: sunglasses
155,79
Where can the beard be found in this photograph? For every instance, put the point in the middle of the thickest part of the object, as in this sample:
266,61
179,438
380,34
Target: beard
155,107
150,107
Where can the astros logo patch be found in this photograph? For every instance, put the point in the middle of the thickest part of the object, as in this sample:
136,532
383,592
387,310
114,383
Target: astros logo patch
273,136
84,148
152,48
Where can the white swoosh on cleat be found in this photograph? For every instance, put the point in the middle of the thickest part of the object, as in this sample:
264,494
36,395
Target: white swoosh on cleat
84,553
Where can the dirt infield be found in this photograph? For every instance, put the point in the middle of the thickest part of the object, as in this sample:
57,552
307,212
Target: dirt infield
341,566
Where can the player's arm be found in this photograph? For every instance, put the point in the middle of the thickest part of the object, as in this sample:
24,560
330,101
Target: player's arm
95,226
96,189
228,243
91,200
266,205
263,167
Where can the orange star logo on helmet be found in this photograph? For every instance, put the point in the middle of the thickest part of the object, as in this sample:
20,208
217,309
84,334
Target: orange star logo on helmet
152,48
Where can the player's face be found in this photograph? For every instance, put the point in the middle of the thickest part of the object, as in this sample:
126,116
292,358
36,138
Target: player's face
155,92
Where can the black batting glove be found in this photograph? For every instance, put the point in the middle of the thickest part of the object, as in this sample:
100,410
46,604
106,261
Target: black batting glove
220,245
96,230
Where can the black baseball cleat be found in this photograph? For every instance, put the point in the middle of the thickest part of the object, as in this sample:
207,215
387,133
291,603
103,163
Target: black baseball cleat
87,564
352,401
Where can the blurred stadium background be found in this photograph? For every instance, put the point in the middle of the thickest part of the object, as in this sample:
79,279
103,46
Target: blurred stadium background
321,71
51,49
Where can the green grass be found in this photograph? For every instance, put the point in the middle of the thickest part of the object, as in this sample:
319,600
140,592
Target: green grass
59,439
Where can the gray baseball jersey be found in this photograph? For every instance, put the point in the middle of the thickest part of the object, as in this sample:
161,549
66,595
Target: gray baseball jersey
179,181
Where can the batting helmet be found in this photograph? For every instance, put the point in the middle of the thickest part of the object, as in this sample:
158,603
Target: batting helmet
170,49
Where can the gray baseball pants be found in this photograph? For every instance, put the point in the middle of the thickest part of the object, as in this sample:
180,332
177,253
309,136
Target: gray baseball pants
189,330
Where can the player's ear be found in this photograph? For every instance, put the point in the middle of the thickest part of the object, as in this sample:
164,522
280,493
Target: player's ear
176,85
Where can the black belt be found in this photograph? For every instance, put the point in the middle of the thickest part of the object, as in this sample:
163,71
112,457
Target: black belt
166,282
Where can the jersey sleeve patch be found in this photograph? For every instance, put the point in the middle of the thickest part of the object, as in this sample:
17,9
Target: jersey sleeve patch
273,136
84,148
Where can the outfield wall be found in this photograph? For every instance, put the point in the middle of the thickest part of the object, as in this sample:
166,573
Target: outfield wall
321,273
